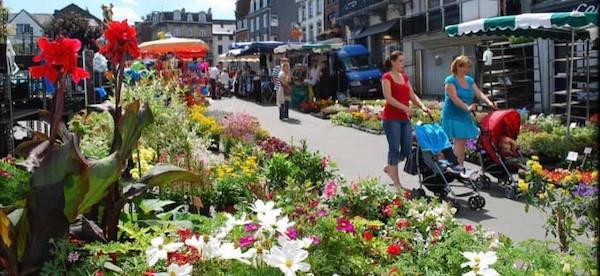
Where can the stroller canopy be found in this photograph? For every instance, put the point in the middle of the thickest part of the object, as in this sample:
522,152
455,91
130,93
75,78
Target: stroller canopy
431,137
501,123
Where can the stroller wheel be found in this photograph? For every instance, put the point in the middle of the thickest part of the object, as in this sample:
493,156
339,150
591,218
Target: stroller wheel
509,192
476,202
483,182
455,204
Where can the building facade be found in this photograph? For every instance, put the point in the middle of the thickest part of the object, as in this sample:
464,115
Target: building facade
310,17
241,28
28,29
271,20
178,23
223,34
330,13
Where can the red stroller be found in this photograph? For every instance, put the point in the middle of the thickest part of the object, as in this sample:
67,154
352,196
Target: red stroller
496,126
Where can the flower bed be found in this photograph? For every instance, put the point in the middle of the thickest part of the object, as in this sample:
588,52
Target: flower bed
262,207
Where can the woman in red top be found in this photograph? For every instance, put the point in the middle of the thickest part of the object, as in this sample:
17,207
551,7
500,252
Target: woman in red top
396,113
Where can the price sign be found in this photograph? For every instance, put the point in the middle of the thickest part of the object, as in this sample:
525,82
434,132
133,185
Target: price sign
572,156
573,125
532,117
587,150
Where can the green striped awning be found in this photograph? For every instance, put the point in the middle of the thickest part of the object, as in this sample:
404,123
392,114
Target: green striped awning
543,25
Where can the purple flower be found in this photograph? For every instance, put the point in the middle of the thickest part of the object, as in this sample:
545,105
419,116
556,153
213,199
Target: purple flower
584,190
312,219
246,241
299,210
322,213
250,227
73,257
344,224
472,145
292,233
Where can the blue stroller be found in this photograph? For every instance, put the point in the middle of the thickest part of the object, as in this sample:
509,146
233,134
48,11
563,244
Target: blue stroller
437,173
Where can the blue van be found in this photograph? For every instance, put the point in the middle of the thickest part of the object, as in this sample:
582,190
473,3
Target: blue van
354,74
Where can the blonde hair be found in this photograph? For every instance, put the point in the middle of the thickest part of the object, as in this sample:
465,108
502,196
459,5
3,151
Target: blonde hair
285,64
459,61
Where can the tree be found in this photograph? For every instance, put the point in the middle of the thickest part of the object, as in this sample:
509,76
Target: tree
242,7
73,25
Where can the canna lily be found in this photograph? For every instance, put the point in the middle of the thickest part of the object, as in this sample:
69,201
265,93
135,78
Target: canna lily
121,39
59,58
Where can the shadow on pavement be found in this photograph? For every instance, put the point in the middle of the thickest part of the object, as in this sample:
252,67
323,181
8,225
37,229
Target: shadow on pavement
292,121
473,215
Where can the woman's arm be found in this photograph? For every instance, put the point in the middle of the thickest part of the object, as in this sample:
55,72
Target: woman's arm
482,96
451,90
415,99
387,93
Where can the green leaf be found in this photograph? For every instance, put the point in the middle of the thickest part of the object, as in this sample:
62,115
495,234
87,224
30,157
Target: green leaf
163,174
154,205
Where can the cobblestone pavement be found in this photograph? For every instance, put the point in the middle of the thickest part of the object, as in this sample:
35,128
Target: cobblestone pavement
359,155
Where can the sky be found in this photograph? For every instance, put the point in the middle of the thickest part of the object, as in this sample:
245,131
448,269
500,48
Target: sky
132,10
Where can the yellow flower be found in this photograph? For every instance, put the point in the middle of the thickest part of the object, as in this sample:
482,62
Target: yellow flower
550,187
565,192
543,195
535,158
523,186
537,168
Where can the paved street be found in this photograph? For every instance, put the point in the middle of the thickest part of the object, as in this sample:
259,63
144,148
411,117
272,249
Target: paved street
359,154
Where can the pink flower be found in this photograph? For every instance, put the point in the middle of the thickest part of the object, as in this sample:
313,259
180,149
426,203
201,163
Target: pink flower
299,210
322,213
344,224
469,228
325,162
354,186
315,240
73,257
330,189
250,227
246,241
292,233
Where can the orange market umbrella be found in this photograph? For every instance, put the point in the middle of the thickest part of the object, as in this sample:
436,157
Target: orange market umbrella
174,45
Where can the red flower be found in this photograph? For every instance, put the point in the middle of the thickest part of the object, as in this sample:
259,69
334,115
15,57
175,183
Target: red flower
407,195
402,223
121,38
398,202
60,58
469,228
394,250
368,236
184,233
388,211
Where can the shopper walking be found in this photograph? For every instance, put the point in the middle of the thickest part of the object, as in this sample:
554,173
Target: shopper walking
213,75
397,91
314,75
461,91
284,94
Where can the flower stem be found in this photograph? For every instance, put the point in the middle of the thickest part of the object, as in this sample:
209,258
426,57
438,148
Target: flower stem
59,102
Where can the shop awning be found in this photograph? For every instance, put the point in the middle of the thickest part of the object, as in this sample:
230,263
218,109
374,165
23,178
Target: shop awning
263,47
557,25
175,45
379,28
314,47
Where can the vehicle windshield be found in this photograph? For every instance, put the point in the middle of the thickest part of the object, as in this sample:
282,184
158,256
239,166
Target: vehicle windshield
356,62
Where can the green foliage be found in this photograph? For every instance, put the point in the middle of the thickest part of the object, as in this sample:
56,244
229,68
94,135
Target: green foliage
14,184
365,198
278,170
343,119
310,167
95,130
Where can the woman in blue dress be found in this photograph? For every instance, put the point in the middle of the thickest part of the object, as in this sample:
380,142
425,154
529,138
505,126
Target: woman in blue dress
461,91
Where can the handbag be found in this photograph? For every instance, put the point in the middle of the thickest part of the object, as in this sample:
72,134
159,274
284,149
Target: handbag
410,166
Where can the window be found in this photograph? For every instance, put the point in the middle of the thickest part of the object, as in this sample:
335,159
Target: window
176,16
274,21
190,32
202,33
219,37
266,20
301,13
319,7
178,31
251,25
202,17
265,37
22,28
258,23
220,49
254,5
310,9
190,18
231,37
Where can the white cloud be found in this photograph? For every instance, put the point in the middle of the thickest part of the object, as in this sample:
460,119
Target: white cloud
131,2
121,13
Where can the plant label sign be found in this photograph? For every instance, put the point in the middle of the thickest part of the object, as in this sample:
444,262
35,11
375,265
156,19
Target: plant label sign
587,150
572,156
573,125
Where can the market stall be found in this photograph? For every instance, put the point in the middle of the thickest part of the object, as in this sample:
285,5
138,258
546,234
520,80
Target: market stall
569,27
